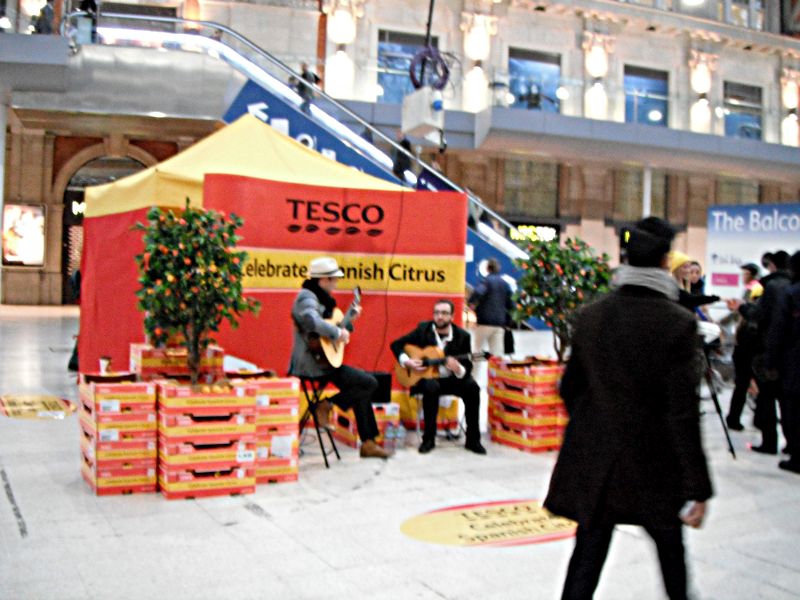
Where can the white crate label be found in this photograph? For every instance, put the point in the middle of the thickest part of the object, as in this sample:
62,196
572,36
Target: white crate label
240,473
262,400
240,420
245,456
242,445
90,451
293,463
151,418
151,472
109,406
240,392
294,411
263,452
151,445
151,389
282,445
109,435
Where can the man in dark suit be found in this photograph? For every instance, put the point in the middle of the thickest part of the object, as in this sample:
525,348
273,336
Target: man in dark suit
454,374
632,452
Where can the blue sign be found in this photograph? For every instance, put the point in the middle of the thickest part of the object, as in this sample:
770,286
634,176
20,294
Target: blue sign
283,116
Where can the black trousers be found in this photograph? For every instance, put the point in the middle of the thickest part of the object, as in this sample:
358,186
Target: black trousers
591,549
355,391
466,389
790,419
743,366
766,418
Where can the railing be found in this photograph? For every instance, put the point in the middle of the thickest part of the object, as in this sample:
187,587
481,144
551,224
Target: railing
219,41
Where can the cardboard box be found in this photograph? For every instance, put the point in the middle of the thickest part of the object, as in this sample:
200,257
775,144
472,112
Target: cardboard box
116,427
193,483
524,398
186,455
527,419
529,441
155,363
116,398
177,398
447,418
106,481
346,430
119,453
535,375
207,428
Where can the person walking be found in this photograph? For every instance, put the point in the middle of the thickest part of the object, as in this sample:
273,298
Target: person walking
783,352
632,452
491,301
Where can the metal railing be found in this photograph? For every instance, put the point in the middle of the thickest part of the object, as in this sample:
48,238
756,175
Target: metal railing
219,40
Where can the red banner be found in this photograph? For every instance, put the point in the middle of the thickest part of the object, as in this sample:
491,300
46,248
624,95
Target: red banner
404,249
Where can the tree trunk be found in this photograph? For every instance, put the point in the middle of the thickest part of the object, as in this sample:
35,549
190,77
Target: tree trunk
193,348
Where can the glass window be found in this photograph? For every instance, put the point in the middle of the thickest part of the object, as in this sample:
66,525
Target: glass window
737,191
534,80
742,110
646,96
629,193
530,188
395,51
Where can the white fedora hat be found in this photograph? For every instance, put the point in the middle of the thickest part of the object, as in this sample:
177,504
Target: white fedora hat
324,266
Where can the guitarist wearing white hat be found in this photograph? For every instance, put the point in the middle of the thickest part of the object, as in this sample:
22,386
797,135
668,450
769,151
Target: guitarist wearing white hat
449,375
321,332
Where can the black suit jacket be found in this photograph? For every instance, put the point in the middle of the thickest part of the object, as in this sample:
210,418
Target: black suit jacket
423,336
632,451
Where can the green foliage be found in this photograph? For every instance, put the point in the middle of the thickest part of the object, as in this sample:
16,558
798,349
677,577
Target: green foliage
557,280
191,277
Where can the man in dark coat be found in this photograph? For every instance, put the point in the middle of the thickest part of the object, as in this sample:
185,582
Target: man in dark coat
783,352
491,301
632,452
455,375
769,389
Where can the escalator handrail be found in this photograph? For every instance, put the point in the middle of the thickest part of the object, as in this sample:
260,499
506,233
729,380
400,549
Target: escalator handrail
290,72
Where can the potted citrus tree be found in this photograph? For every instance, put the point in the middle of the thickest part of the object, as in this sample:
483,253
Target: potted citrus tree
557,279
191,278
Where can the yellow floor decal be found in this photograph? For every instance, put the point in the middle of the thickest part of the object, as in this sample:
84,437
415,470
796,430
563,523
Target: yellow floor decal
498,524
21,406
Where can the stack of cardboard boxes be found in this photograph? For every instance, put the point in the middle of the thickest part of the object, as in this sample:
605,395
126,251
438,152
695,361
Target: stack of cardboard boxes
525,409
118,436
207,440
151,363
277,421
387,416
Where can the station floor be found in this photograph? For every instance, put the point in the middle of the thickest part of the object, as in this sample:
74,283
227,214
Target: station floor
335,534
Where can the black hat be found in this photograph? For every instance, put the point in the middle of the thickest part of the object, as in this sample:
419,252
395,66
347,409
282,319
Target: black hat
650,239
750,267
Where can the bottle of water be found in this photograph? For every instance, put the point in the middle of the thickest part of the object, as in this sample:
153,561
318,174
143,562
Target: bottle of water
400,437
389,438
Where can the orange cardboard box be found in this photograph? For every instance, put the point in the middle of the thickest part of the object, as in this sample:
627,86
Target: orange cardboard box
115,398
113,428
175,398
533,374
538,441
527,419
525,398
118,480
187,455
155,363
205,428
195,483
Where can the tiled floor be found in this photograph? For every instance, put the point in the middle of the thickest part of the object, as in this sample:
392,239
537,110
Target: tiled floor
336,533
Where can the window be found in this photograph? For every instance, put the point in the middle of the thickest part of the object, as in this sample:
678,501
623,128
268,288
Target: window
737,191
646,96
534,80
629,192
395,51
530,188
742,110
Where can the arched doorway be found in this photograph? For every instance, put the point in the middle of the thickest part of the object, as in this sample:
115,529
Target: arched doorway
95,172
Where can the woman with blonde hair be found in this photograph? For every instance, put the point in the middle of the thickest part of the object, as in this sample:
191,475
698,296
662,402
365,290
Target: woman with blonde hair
680,265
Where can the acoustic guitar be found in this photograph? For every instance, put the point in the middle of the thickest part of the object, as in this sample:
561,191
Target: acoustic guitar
330,352
432,358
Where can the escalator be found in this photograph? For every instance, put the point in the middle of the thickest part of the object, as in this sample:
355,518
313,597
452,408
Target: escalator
318,123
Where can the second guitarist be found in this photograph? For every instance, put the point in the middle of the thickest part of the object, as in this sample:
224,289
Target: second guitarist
311,307
454,376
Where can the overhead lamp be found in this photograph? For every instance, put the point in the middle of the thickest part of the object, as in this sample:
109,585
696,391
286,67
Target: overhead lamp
693,3
655,115
700,115
790,129
340,74
342,17
562,93
701,65
596,48
478,31
789,91
596,101
5,22
476,87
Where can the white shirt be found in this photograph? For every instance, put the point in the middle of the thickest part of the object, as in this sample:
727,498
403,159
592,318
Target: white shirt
441,342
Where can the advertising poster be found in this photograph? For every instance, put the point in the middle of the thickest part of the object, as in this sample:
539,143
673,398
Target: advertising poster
23,235
738,235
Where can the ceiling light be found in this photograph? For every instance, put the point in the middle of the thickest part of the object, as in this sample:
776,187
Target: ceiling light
654,115
562,93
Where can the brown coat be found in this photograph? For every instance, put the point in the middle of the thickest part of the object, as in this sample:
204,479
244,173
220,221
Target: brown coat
632,451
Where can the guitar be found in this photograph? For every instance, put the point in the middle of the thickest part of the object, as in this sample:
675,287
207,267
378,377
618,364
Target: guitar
432,357
328,352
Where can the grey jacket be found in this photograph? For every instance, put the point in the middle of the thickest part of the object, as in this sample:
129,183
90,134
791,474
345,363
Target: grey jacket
307,317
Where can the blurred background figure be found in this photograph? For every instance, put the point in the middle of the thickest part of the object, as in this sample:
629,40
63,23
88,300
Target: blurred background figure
783,350
697,283
491,301
743,353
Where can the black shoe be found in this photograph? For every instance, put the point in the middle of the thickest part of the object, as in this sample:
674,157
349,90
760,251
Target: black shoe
426,446
734,426
789,465
475,446
762,449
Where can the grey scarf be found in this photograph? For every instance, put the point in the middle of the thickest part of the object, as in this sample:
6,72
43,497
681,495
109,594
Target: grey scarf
658,280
